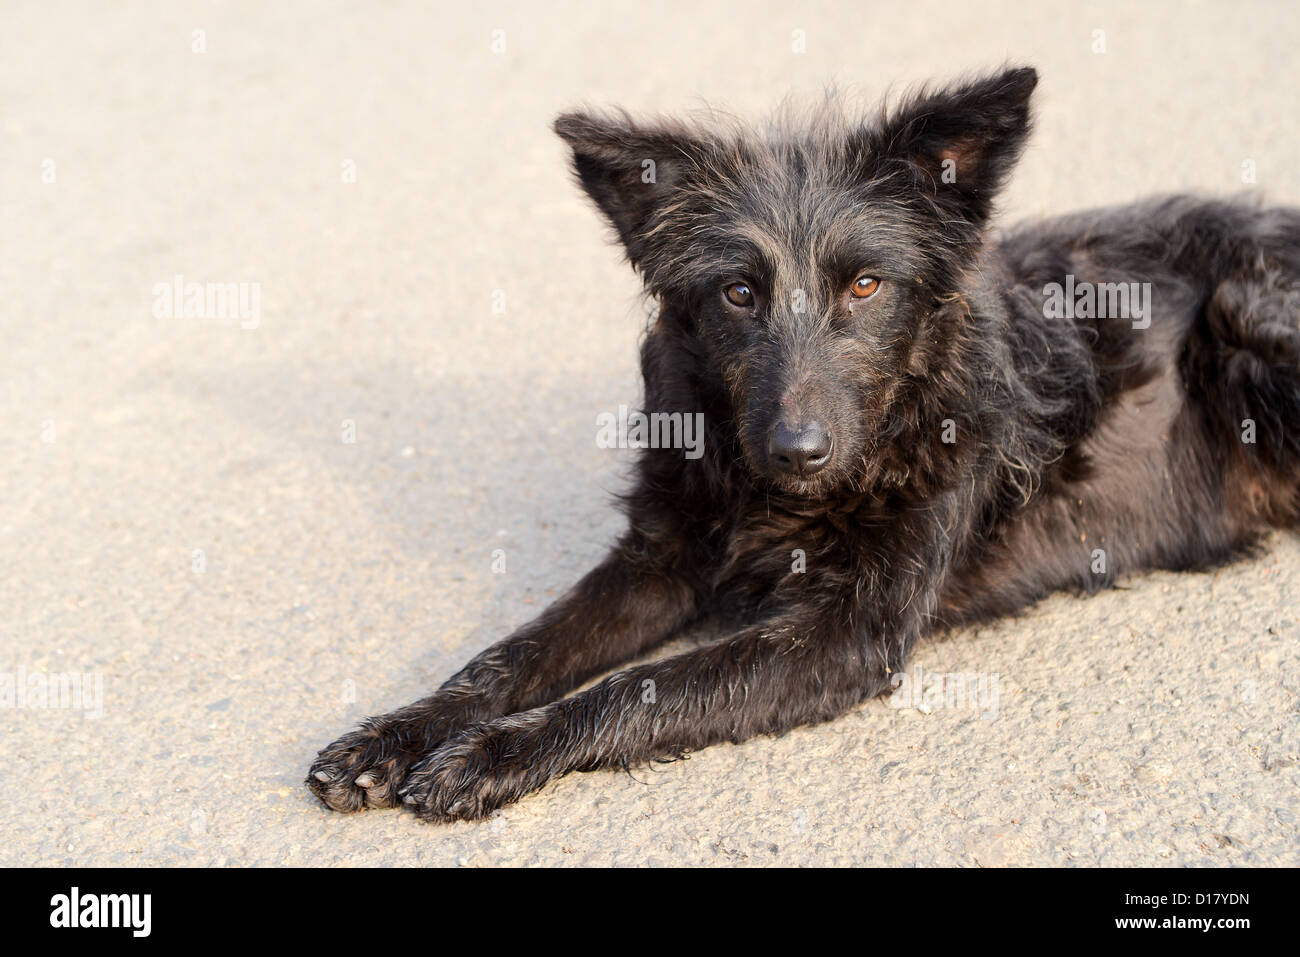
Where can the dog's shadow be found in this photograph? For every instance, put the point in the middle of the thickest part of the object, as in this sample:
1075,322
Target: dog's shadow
497,491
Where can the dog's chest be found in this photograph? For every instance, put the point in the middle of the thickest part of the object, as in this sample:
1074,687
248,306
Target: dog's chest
773,546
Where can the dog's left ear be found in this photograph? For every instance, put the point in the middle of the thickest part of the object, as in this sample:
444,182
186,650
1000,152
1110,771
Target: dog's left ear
960,143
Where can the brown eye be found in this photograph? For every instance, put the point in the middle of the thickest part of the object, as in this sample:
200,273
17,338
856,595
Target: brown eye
739,294
864,287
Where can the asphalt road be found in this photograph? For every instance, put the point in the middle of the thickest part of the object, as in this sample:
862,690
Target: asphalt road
185,522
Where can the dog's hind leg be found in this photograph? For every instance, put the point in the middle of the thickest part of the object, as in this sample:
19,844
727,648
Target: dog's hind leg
1246,368
632,601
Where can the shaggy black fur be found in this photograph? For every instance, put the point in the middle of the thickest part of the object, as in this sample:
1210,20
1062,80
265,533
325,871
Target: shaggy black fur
981,454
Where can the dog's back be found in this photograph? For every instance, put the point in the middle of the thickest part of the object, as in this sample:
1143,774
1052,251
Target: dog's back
1224,314
1184,437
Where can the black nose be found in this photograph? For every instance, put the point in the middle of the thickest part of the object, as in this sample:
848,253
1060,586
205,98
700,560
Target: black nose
801,450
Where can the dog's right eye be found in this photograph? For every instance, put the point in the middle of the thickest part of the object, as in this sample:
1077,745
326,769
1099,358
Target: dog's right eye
739,295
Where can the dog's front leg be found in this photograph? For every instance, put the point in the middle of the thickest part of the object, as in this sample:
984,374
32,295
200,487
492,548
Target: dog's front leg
633,600
764,680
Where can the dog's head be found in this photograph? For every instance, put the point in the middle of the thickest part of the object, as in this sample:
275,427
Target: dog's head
810,261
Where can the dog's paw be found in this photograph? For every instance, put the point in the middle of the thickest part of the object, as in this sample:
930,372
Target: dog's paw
485,767
365,768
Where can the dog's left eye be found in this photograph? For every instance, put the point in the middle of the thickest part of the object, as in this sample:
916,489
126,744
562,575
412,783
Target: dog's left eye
864,287
739,295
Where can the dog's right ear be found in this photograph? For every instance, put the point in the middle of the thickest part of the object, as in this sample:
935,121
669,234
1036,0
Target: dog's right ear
629,170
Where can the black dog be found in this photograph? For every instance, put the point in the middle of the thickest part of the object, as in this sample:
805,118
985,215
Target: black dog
909,425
